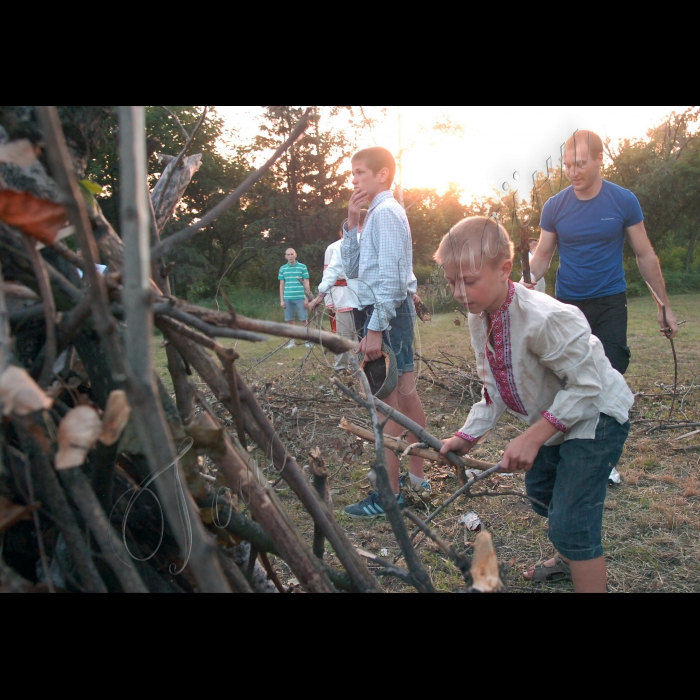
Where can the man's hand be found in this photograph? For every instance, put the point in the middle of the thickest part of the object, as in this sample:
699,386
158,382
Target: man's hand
457,445
531,285
357,200
371,345
282,304
670,328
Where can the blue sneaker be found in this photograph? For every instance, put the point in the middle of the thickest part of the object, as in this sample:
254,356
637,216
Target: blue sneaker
425,485
370,507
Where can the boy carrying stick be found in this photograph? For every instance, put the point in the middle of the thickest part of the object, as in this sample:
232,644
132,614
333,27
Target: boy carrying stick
537,357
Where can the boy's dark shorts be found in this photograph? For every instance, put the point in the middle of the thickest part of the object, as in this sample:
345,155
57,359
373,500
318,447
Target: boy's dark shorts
399,335
571,479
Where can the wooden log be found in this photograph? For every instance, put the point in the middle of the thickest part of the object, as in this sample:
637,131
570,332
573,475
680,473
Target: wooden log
244,479
319,478
110,542
260,429
36,444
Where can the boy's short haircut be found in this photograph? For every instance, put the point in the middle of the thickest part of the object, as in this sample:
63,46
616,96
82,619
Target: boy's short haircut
475,239
375,159
590,138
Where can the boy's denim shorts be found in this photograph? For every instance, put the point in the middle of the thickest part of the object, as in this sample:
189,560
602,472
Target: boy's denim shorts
399,335
294,304
572,480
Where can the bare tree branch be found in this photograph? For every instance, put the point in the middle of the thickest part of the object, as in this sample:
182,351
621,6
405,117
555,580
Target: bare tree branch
178,122
155,438
49,305
171,241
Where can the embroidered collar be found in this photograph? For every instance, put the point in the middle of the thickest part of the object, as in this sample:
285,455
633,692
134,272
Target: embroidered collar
503,307
509,298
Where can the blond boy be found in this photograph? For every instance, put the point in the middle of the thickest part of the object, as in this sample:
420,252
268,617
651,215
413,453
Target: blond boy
537,357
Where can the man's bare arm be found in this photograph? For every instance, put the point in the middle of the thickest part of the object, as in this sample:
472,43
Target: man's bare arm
282,304
649,266
542,258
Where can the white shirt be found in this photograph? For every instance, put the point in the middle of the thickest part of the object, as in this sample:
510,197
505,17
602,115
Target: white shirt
542,360
341,298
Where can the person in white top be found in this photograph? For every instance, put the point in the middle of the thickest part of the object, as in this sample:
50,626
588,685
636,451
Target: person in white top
537,357
339,295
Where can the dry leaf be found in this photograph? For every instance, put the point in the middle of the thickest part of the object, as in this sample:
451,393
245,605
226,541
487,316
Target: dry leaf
115,418
32,215
77,435
21,152
19,291
20,394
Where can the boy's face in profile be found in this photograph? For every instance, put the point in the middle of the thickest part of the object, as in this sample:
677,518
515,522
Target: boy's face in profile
364,180
478,290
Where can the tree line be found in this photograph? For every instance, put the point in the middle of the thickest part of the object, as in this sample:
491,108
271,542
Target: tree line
302,201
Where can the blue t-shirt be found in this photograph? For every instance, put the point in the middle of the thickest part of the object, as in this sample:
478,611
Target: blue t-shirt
590,236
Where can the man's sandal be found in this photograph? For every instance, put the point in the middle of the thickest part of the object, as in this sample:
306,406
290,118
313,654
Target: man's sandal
559,571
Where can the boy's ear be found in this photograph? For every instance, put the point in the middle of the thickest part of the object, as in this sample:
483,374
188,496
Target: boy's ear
383,175
507,268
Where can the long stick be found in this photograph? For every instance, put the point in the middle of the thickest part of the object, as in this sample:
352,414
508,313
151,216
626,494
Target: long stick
419,575
259,428
196,543
667,333
403,447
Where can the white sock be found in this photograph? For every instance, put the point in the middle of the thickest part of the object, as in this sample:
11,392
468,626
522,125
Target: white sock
418,480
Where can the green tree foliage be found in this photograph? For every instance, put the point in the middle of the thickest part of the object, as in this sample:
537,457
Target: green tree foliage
663,170
307,195
224,248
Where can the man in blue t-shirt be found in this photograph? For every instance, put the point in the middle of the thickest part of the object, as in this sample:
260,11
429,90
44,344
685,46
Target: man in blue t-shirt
589,222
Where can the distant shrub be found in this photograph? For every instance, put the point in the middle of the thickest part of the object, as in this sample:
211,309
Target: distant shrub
676,282
255,303
423,272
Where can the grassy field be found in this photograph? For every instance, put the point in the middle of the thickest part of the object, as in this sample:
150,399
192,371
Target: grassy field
651,519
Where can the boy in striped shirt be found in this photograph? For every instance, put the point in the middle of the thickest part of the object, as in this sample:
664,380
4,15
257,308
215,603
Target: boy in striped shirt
294,283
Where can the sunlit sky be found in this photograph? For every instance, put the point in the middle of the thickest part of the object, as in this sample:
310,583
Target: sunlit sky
495,141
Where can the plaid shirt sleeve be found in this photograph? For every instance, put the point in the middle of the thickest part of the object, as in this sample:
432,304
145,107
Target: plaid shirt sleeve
350,252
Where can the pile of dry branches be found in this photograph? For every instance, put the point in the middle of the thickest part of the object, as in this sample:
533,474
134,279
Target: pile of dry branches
101,482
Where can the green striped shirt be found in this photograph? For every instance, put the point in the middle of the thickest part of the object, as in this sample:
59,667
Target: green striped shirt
293,289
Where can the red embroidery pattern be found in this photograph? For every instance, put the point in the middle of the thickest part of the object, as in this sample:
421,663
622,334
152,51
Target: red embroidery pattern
464,436
502,362
489,401
554,421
